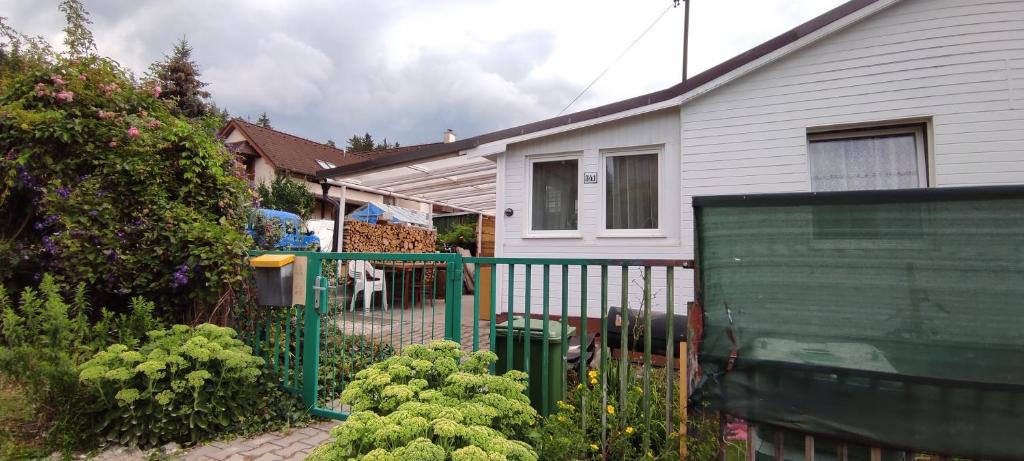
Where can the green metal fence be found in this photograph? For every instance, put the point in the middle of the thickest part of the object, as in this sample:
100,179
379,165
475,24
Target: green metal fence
415,298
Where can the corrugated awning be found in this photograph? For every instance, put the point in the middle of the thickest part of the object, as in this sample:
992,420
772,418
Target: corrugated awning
458,181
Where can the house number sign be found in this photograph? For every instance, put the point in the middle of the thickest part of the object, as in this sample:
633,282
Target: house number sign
590,177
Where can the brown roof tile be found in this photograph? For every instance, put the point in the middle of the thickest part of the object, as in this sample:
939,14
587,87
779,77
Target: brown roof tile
300,155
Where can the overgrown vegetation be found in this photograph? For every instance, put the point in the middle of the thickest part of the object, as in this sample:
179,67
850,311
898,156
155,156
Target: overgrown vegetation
42,341
286,194
101,184
562,436
342,355
434,403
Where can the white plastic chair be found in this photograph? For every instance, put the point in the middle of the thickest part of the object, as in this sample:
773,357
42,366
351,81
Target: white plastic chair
358,271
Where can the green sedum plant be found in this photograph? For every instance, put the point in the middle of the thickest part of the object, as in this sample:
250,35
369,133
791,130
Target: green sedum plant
185,385
434,403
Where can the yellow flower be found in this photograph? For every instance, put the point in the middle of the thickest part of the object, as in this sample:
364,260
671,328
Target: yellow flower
593,447
629,429
611,410
592,374
593,380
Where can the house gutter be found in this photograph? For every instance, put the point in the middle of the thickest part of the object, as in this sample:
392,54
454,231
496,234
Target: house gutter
373,190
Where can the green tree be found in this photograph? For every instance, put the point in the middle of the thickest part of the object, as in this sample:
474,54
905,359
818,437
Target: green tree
77,36
286,194
330,142
365,143
264,121
177,80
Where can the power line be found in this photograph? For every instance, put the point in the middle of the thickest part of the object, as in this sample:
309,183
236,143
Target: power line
606,69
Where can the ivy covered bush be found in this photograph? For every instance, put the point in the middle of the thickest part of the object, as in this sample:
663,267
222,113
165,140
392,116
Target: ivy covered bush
434,403
185,385
100,184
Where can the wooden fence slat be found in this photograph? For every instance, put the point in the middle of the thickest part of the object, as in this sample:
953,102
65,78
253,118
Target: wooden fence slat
683,393
876,454
750,441
808,448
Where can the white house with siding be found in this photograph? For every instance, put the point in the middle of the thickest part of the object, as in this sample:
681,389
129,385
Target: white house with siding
875,94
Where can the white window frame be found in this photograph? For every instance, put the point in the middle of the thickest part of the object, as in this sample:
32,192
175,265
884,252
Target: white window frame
919,140
604,231
528,231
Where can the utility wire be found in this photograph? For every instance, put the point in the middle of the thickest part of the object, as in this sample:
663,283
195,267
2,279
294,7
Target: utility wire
606,69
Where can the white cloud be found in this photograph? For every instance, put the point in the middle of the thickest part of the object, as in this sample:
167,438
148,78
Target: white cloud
409,69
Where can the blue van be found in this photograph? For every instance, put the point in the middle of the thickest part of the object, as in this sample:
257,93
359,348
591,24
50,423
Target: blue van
296,237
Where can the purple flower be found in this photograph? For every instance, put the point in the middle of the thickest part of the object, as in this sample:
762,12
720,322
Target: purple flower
133,132
64,192
46,222
180,276
48,245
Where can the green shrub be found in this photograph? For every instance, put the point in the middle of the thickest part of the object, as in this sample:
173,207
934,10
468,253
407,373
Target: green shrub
430,404
287,194
185,385
44,338
343,355
562,434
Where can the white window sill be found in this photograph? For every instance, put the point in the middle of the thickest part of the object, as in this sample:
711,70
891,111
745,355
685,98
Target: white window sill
553,235
640,233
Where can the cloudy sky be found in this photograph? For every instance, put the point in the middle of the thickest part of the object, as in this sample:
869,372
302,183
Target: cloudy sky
407,70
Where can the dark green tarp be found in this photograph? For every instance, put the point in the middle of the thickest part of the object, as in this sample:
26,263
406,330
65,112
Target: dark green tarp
887,317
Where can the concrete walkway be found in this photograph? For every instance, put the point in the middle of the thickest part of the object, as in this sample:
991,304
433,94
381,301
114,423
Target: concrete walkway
272,446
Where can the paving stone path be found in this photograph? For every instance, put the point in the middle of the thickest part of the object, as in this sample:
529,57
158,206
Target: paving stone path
272,446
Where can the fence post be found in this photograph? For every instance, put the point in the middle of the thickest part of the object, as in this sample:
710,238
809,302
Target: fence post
315,294
453,299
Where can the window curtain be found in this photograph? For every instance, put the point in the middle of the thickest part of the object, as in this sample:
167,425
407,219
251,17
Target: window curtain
873,163
631,192
555,194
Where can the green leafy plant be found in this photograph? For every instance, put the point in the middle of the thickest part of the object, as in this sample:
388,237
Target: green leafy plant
44,338
185,384
434,403
460,235
286,194
574,431
266,231
343,355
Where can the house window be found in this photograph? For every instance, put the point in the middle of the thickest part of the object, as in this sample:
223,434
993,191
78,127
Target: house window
879,159
555,194
868,160
631,184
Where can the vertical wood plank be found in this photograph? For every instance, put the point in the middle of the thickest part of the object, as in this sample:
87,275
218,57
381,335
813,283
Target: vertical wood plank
683,392
808,448
780,447
842,452
750,441
876,454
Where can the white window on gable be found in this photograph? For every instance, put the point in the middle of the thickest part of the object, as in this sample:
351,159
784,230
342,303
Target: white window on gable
554,194
890,158
325,164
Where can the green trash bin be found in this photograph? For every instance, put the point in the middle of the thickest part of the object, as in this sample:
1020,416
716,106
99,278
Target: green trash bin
556,363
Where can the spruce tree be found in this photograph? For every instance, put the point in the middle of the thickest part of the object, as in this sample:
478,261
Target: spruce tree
264,121
178,77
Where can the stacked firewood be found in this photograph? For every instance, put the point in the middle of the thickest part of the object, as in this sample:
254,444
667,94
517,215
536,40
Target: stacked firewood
361,237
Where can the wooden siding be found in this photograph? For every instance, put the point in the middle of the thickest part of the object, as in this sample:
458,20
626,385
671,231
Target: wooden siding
655,129
955,65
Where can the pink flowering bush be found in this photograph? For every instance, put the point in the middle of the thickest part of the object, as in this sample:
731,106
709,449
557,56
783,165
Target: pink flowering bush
100,184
